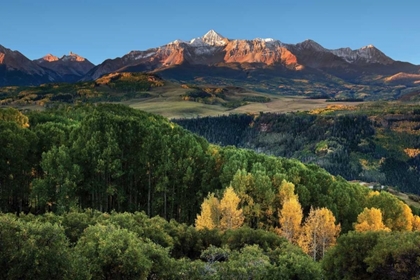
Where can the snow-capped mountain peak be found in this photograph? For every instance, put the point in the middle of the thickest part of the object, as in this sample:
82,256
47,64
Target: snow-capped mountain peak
366,54
211,38
368,47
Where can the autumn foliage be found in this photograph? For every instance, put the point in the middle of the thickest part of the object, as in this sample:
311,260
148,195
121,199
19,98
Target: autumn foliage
370,220
222,215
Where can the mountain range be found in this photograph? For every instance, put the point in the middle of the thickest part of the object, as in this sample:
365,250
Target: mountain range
262,64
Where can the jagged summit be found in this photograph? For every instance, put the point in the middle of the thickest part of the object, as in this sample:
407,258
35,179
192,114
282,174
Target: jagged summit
213,35
366,54
211,38
69,67
311,44
72,57
50,58
368,47
240,59
177,41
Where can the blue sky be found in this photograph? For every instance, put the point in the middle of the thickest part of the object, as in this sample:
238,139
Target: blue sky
105,29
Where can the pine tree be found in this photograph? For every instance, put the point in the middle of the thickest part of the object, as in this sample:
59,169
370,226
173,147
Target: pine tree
370,220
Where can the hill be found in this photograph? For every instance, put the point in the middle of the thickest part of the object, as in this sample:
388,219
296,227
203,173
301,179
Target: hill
107,191
145,91
371,142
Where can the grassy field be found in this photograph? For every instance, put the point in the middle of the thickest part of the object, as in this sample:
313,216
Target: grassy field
289,104
407,200
168,104
152,94
176,109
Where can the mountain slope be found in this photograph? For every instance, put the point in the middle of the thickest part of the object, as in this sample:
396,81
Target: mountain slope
16,69
266,64
69,67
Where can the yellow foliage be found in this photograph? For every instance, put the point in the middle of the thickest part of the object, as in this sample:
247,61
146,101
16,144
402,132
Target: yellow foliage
370,220
210,214
290,220
319,233
406,217
232,217
396,215
373,193
412,152
416,223
287,192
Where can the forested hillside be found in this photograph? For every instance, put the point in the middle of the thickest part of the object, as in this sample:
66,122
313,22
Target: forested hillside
109,192
376,143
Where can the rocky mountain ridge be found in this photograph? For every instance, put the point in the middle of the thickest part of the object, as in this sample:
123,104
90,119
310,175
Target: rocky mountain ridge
69,67
213,49
215,59
17,69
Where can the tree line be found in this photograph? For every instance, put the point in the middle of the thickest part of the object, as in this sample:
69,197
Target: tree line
123,194
355,146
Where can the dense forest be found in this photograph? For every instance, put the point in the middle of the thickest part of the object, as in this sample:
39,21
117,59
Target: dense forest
356,144
109,192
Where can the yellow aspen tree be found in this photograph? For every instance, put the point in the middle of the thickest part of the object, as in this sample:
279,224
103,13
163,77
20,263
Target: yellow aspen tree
407,217
396,215
370,220
319,233
232,217
210,213
416,223
286,191
290,218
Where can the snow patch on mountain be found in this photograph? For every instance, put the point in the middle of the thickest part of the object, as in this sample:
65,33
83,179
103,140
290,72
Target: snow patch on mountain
367,54
211,38
144,55
176,42
267,40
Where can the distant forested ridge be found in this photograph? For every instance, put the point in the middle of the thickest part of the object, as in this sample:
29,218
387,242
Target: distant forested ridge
109,192
355,145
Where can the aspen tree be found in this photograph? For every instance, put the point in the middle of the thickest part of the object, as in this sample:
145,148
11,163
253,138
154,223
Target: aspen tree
232,217
210,213
286,191
290,219
370,220
319,232
416,223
